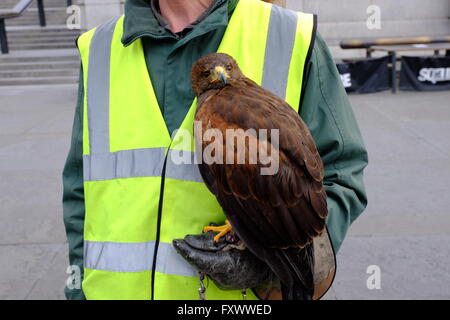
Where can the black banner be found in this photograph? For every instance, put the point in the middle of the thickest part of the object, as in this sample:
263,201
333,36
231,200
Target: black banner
425,73
366,76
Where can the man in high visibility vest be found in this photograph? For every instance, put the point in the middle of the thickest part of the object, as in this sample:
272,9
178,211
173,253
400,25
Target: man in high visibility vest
126,195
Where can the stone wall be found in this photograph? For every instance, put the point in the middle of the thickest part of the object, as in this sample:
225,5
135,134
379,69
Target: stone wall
346,19
95,12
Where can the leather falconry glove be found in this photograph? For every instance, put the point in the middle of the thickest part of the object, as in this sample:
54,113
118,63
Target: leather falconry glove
227,262
233,267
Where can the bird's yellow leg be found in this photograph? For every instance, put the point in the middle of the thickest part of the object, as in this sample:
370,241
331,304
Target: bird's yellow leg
223,230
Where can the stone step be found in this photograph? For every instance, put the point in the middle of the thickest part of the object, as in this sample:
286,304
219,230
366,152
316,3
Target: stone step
38,73
50,33
38,81
34,21
9,4
48,11
35,46
39,65
53,15
40,55
4,59
34,28
32,18
45,34
41,39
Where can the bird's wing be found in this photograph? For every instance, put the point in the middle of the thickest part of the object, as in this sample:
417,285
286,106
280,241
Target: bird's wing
286,209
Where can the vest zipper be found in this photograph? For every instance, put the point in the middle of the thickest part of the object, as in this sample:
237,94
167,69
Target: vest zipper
158,226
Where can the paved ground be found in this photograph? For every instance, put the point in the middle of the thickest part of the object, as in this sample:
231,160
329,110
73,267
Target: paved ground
405,230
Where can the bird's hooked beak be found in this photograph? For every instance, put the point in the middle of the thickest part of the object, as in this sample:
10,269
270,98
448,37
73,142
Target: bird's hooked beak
219,74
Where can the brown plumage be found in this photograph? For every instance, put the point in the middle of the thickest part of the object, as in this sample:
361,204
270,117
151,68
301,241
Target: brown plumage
277,215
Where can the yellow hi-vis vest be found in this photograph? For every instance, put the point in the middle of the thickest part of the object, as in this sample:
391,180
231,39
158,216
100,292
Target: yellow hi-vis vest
137,198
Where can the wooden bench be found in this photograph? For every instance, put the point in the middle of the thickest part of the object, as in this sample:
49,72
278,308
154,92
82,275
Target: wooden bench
368,43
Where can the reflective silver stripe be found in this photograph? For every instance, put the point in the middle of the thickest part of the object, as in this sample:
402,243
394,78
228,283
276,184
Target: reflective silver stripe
279,48
140,163
124,164
170,262
135,257
187,171
118,257
98,87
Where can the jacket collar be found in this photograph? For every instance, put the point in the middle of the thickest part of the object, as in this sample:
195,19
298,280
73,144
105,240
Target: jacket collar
142,18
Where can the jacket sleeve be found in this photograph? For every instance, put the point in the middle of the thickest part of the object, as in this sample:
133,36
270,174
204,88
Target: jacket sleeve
73,195
326,110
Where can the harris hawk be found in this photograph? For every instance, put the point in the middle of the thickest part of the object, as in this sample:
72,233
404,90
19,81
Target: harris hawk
276,215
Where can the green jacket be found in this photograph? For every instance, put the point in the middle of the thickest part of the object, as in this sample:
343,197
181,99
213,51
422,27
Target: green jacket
324,107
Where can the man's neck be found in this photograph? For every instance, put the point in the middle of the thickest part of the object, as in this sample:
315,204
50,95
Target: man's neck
181,13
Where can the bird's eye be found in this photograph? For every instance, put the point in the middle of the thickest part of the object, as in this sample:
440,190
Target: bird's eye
206,74
229,67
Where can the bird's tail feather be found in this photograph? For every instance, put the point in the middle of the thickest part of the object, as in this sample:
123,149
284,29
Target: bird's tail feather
295,292
295,268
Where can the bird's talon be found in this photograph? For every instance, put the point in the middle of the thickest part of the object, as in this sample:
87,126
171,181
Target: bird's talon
222,230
